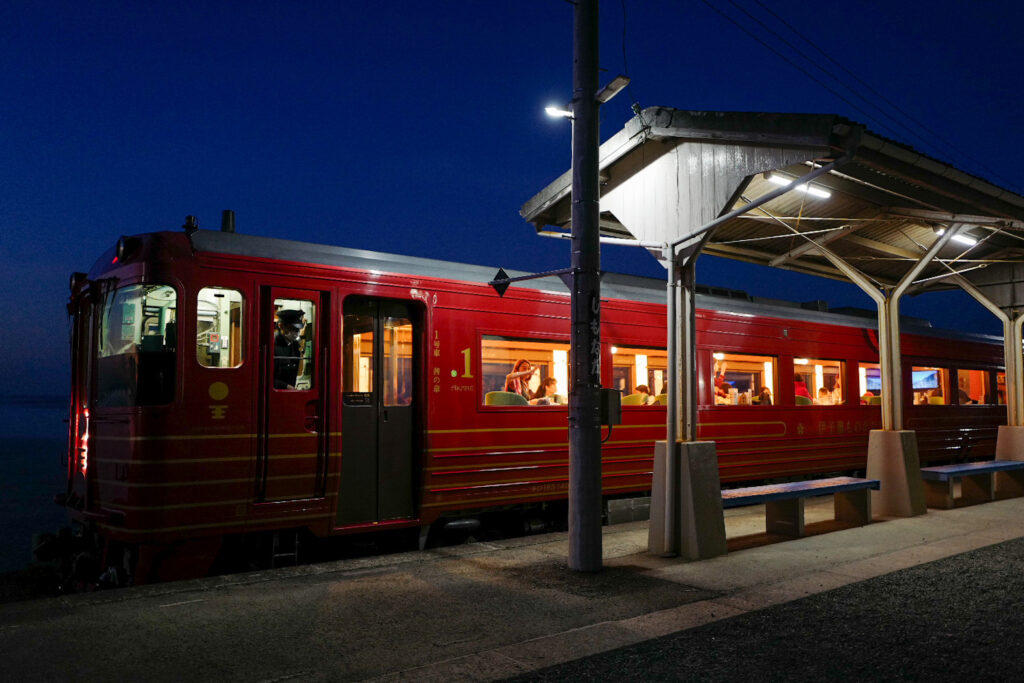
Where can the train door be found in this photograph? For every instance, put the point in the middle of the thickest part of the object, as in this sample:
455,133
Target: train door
294,438
379,361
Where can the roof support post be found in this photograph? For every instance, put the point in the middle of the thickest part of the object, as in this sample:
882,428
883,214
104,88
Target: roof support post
686,505
889,324
1013,344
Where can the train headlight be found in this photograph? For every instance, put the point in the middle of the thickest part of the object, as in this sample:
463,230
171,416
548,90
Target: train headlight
77,280
126,248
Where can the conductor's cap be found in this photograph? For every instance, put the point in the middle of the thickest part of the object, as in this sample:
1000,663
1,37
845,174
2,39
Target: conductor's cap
291,318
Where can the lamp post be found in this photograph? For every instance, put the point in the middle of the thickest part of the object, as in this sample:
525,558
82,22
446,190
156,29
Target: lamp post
585,352
585,508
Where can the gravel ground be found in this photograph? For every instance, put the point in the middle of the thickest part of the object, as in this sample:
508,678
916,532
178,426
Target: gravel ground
957,619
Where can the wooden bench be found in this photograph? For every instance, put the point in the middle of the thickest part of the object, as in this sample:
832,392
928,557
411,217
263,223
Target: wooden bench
980,482
784,503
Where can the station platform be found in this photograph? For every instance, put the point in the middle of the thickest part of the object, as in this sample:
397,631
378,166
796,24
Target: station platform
888,600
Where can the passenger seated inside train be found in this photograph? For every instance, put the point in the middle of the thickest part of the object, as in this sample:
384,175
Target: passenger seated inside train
764,397
824,397
547,393
645,391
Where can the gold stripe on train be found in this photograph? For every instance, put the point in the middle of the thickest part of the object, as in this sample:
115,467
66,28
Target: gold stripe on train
246,480
512,448
528,429
193,461
212,437
525,496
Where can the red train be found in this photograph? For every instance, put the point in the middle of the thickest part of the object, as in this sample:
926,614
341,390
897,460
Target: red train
227,386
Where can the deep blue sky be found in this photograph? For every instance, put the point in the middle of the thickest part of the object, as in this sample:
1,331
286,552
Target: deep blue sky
418,127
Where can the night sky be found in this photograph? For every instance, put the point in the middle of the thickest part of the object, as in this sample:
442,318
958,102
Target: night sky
418,128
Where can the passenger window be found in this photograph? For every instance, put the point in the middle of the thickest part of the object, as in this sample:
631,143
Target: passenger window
294,329
741,379
641,374
524,371
817,382
219,327
929,385
870,384
974,387
1001,388
137,347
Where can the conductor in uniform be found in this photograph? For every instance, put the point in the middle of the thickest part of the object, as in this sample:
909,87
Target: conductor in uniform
287,348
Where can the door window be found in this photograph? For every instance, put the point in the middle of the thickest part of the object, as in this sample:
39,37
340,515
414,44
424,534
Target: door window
397,361
294,329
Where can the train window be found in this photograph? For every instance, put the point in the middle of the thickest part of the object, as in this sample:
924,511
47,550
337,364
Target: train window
137,347
870,386
974,386
219,327
1001,388
640,372
396,366
817,382
929,385
294,326
546,385
357,355
742,379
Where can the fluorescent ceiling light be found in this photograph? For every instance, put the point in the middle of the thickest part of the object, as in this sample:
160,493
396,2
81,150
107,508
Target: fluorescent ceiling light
959,237
812,190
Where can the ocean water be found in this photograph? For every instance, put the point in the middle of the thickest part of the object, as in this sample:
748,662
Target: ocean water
32,447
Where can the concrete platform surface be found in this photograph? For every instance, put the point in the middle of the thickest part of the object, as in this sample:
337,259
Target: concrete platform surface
476,612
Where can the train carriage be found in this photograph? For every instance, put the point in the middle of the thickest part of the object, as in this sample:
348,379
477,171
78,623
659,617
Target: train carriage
193,420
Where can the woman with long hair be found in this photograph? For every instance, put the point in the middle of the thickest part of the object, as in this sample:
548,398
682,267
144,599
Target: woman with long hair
518,380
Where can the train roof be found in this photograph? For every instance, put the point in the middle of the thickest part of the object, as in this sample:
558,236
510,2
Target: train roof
613,285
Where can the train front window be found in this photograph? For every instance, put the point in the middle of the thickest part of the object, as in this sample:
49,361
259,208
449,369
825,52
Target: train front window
817,382
219,327
641,374
929,385
136,353
742,379
524,371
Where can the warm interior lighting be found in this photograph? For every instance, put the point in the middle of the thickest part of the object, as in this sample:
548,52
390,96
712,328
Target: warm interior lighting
560,358
800,361
557,112
862,372
812,190
640,363
615,349
769,376
718,356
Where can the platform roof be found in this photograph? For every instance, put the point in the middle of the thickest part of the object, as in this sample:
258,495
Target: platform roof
669,174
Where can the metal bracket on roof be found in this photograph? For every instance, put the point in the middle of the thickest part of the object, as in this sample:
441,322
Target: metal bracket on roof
502,281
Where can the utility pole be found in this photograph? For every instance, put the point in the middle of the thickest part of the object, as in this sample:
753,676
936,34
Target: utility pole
585,363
